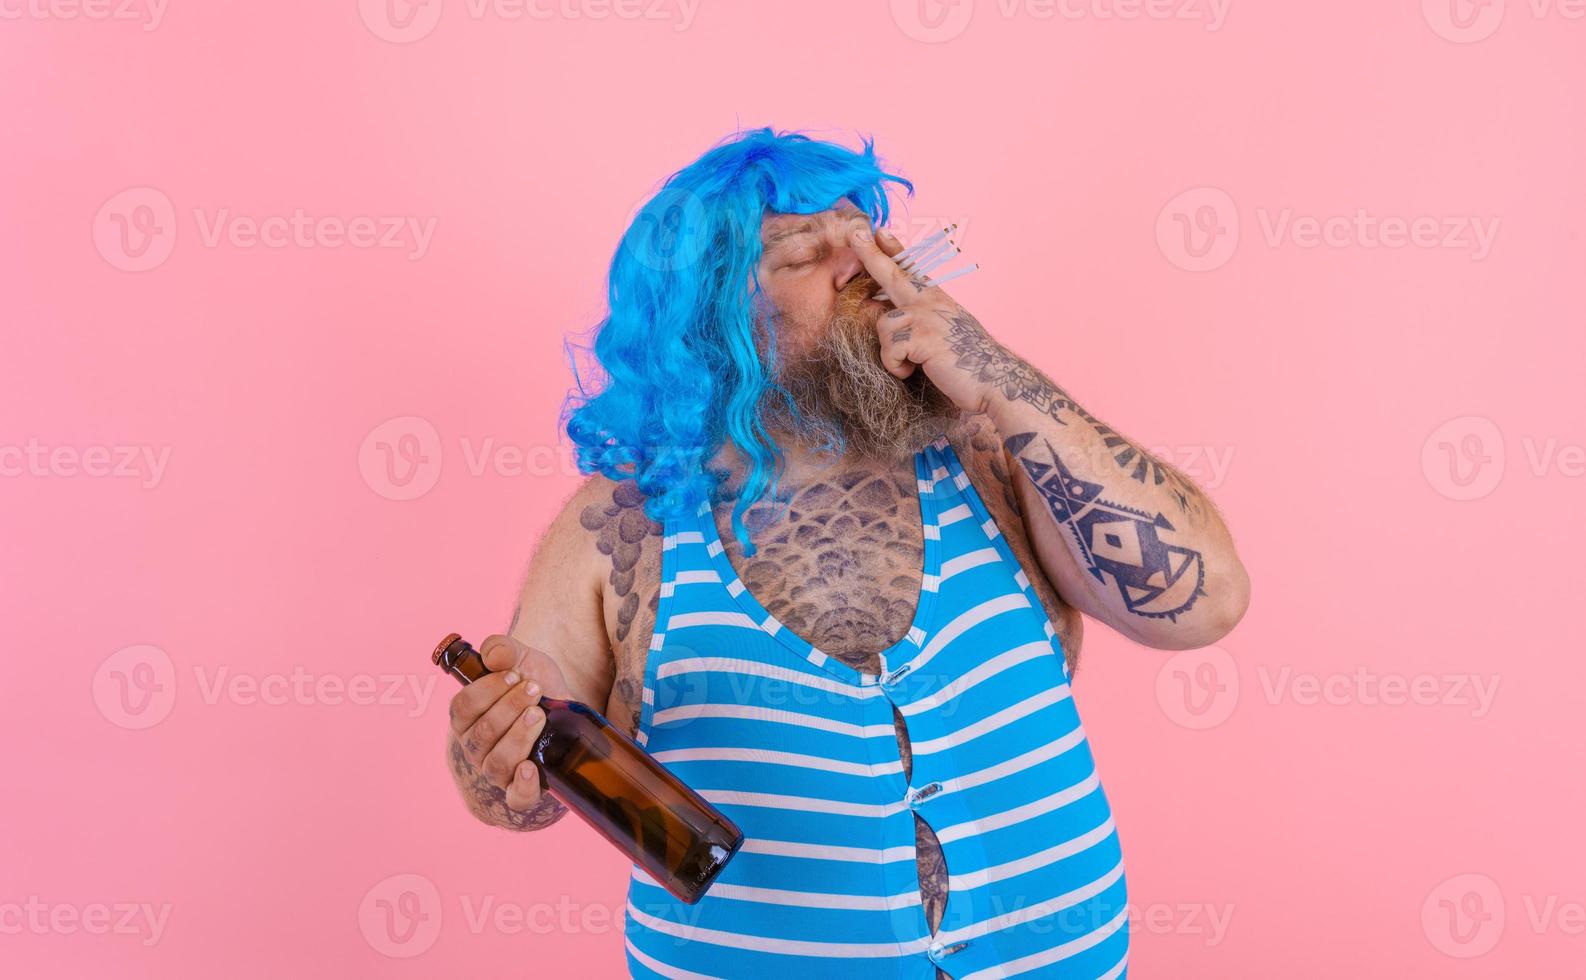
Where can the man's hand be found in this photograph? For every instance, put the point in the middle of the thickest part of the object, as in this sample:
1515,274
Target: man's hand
1122,535
496,719
929,330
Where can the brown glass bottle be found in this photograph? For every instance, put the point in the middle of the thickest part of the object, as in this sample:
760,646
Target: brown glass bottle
605,777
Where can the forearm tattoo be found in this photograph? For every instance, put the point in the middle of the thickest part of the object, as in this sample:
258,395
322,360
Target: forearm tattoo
489,802
1116,543
1017,380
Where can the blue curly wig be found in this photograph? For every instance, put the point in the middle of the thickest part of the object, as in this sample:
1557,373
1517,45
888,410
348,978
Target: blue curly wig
684,363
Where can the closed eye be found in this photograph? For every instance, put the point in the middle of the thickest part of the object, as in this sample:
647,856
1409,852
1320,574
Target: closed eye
800,260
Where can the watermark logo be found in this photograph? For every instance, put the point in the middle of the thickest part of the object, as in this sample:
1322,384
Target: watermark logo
143,463
1370,689
1463,21
400,21
1198,689
151,13
135,687
935,21
400,917
932,21
400,458
1198,230
407,21
1463,459
1464,916
143,920
135,229
667,232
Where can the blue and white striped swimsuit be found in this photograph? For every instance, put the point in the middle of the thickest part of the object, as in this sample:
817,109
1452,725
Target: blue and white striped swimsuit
798,749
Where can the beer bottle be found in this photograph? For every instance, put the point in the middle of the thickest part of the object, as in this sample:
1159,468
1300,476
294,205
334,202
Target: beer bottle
619,789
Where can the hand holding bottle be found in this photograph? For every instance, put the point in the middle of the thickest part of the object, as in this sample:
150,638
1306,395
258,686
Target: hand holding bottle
497,718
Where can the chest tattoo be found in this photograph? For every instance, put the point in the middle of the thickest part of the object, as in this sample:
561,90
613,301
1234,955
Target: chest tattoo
841,566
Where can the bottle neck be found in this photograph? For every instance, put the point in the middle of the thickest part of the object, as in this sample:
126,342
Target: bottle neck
458,658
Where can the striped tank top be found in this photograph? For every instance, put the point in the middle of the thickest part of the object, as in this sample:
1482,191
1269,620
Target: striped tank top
798,748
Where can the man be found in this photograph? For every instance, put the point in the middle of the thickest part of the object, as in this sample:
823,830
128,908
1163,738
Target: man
829,571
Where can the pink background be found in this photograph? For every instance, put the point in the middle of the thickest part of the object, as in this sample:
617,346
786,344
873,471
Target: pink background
1351,395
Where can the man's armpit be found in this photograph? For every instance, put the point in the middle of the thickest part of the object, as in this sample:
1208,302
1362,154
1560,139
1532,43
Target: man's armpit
980,450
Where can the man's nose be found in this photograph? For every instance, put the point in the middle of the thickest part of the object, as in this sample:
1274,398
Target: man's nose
848,266
846,263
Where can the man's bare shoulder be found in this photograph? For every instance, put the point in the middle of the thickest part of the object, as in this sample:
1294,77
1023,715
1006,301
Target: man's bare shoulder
620,545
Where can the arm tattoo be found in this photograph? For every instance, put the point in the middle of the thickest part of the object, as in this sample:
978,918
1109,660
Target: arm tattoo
1155,579
621,529
1017,380
489,802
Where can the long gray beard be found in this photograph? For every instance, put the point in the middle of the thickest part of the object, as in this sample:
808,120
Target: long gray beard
844,396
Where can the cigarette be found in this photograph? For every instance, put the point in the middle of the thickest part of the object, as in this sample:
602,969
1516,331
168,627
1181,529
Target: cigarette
966,270
924,243
915,261
936,262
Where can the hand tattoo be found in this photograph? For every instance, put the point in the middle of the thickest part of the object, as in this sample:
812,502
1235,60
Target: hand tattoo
489,802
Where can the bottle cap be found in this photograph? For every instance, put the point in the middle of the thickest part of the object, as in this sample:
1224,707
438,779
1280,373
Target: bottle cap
440,648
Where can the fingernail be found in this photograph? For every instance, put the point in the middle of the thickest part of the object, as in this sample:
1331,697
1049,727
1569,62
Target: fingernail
533,690
513,677
861,234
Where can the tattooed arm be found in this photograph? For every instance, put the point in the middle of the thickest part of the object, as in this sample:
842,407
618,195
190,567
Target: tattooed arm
1123,536
556,644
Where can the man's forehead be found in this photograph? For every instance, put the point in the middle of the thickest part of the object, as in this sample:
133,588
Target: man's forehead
776,226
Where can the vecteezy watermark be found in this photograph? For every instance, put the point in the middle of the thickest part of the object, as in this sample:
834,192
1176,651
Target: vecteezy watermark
135,230
935,21
1199,919
150,13
136,687
1465,916
1199,689
143,463
1371,688
144,920
406,21
402,458
403,915
1199,230
400,916
1465,458
1469,21
1182,919
301,686
918,227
